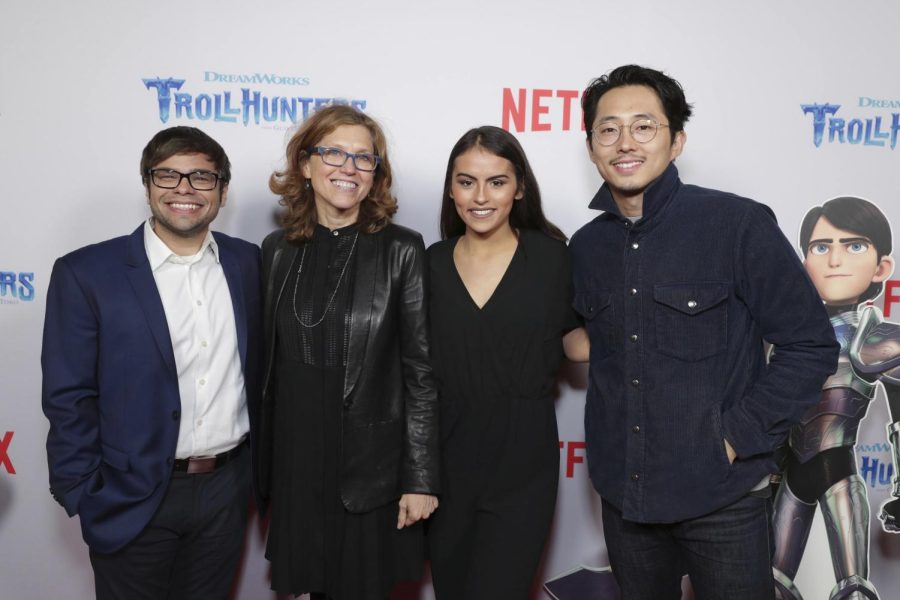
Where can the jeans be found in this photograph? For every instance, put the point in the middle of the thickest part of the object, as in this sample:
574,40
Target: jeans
726,553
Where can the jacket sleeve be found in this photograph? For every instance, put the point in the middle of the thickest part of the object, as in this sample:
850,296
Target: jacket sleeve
70,386
790,315
420,453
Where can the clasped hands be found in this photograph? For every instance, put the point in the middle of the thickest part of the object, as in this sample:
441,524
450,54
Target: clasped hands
415,507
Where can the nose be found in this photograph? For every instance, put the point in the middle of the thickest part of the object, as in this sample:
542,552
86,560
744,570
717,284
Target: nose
834,257
184,186
625,142
349,166
480,195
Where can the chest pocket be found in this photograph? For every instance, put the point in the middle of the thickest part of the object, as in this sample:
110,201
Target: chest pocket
691,319
596,308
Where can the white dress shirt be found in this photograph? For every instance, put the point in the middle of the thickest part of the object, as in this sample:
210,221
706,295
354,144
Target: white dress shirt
197,303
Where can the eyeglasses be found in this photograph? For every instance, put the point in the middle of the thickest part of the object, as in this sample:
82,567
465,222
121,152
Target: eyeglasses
169,179
642,131
335,157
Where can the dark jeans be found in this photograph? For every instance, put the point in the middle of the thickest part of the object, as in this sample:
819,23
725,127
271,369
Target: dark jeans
191,547
727,553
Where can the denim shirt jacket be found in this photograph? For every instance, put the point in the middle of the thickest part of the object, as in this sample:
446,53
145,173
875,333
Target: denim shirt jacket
677,306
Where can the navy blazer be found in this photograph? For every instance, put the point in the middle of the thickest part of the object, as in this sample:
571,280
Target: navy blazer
110,387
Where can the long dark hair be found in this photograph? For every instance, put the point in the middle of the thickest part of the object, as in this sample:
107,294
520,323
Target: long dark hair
526,212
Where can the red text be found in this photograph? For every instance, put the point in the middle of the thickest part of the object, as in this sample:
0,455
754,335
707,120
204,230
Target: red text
548,109
4,453
574,455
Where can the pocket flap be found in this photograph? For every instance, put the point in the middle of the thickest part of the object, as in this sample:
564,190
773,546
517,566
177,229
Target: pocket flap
691,298
115,458
589,305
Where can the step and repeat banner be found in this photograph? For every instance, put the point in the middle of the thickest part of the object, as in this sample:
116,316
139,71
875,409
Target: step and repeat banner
794,105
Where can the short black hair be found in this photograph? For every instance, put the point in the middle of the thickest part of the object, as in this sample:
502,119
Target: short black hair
855,215
670,93
184,140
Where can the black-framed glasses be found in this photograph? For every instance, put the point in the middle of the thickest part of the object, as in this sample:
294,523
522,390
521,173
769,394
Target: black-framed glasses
642,131
335,157
169,179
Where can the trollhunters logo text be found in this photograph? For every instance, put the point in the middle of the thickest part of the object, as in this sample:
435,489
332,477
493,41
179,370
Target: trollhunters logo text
16,287
246,106
848,129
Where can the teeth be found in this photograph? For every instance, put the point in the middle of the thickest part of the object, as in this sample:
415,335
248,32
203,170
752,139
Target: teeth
627,165
181,206
347,185
482,212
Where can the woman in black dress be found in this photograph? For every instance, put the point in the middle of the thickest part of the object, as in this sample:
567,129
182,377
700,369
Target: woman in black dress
348,449
500,301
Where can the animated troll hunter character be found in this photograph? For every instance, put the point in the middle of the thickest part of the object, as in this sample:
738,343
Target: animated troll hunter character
846,246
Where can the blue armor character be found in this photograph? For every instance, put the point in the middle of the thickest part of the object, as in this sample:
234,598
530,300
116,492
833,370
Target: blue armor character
846,244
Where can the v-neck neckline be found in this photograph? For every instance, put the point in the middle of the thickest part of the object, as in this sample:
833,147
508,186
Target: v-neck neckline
500,283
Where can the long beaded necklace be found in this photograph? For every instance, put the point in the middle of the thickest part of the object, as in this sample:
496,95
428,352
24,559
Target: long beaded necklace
333,294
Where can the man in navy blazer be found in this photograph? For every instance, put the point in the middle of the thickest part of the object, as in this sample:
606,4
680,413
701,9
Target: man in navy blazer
150,380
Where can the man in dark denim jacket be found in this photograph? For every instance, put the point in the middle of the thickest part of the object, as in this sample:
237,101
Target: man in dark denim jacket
679,286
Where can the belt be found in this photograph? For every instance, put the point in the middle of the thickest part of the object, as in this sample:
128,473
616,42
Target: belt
206,464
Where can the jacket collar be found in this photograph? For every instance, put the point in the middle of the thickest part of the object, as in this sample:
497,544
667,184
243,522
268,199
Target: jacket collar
657,197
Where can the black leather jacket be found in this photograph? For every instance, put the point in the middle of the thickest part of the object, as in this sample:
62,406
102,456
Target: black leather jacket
390,425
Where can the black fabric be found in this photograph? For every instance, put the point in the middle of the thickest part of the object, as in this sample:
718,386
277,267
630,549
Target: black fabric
314,543
389,398
191,547
496,369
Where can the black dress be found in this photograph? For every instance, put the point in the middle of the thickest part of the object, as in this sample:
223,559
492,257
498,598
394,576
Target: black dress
314,544
496,368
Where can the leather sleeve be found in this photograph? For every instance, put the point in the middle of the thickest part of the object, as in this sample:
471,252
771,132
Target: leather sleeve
420,453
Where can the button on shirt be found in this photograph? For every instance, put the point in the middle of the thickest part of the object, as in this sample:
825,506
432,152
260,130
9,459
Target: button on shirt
200,315
677,306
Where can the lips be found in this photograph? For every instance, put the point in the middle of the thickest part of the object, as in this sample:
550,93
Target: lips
344,185
184,206
628,165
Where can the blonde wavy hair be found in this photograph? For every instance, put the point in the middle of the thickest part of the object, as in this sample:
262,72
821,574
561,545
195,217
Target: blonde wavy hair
300,219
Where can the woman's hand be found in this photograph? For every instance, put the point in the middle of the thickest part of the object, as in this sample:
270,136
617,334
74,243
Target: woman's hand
415,507
577,345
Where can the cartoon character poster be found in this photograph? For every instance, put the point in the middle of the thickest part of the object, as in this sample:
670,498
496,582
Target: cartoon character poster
846,246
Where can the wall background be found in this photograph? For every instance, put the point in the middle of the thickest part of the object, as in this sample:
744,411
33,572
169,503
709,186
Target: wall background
75,114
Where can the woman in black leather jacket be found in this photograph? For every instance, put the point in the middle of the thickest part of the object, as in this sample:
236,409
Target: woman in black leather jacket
349,420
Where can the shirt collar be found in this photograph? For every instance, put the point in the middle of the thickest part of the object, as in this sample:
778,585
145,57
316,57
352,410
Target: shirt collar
158,253
656,196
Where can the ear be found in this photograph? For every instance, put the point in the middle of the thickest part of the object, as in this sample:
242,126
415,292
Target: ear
520,193
884,270
677,145
223,197
304,168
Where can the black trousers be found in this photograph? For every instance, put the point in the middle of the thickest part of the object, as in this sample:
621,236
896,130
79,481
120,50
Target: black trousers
191,547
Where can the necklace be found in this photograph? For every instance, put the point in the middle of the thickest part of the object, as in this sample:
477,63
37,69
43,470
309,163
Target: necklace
333,294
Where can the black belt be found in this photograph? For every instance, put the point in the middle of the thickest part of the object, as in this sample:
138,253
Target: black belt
206,464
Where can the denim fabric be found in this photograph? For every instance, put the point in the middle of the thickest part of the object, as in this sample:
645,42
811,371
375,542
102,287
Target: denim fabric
726,553
677,306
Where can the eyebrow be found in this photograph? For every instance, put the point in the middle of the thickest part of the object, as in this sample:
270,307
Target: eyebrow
489,178
840,240
637,116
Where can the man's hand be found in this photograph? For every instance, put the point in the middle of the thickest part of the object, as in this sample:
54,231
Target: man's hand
414,507
730,452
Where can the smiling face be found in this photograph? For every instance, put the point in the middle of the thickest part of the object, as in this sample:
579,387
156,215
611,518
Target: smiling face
340,190
181,216
626,166
484,188
843,264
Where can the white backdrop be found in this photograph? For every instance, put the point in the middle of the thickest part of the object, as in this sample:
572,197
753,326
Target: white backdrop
75,113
